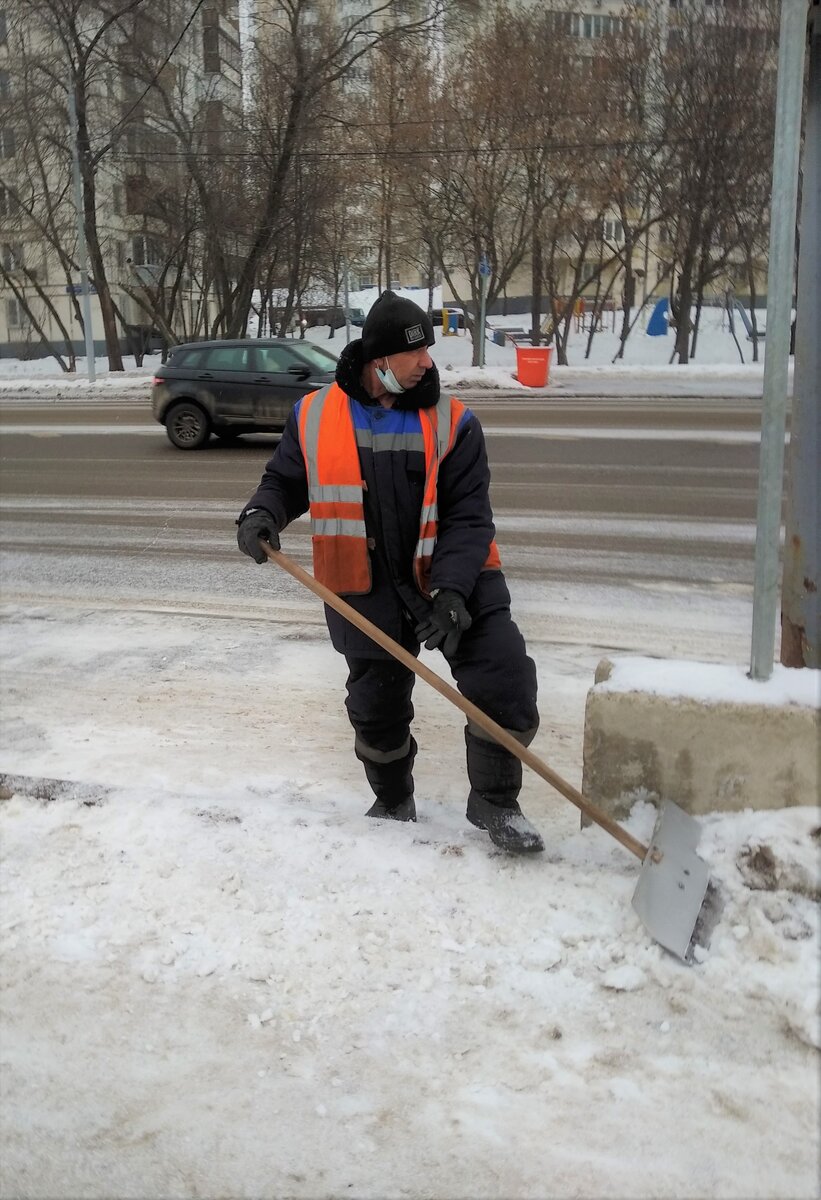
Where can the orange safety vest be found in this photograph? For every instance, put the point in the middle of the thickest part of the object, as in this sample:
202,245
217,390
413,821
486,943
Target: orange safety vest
336,489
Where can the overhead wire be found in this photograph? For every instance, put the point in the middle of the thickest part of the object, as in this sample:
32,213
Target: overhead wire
425,151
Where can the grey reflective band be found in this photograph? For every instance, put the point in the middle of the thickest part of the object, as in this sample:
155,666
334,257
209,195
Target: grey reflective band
312,429
332,493
443,425
523,736
337,527
382,756
398,441
379,442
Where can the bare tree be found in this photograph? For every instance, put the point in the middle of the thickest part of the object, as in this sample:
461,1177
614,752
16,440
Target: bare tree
469,195
37,305
298,64
78,34
715,71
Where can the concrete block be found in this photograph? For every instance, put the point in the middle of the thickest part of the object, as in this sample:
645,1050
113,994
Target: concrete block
703,735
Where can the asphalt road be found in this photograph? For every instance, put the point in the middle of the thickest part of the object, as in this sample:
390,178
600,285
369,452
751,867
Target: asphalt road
584,489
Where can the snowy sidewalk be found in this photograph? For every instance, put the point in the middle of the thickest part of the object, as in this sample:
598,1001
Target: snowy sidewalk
220,979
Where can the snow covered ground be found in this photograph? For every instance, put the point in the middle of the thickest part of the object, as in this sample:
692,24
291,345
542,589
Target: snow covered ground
644,369
219,979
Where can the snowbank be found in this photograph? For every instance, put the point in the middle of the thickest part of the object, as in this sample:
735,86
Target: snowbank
713,683
645,364
222,979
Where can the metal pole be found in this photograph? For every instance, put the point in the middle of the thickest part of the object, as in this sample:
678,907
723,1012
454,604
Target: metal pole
482,298
82,249
786,153
347,304
800,601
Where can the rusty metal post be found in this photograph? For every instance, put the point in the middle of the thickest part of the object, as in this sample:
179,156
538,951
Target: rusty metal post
800,609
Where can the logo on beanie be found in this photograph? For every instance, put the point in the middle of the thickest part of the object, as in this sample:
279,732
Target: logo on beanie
414,334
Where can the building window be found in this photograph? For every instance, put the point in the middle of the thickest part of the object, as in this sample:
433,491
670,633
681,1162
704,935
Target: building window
614,232
12,256
117,197
594,25
219,48
5,89
7,142
135,141
211,48
5,201
146,250
15,314
4,28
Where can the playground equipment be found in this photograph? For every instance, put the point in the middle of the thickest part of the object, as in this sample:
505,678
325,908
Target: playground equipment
453,320
732,303
657,325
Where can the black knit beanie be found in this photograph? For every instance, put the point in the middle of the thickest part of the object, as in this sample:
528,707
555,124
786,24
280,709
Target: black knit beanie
395,324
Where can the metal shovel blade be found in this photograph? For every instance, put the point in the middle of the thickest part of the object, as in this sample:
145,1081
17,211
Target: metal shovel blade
673,882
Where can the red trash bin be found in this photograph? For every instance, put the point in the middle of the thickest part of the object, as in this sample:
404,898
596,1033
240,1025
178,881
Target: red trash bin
533,365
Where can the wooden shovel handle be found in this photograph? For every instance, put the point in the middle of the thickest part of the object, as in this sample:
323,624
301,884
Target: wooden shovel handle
470,710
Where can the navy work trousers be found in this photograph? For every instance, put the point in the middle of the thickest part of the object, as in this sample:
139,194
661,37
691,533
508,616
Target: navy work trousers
491,668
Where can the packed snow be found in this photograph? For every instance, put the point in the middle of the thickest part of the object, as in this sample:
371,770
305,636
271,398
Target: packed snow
714,683
645,367
221,979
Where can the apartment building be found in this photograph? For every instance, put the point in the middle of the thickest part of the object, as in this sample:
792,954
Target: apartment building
154,92
590,23
163,99
595,26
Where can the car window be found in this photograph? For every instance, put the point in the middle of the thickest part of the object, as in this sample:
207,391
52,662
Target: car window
274,358
186,358
227,358
317,358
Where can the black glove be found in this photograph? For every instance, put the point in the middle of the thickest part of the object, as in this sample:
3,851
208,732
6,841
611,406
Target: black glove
253,524
448,620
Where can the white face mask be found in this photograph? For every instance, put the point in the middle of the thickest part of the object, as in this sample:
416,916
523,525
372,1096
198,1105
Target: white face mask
389,381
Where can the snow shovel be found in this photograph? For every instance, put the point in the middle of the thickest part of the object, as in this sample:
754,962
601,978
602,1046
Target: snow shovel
674,898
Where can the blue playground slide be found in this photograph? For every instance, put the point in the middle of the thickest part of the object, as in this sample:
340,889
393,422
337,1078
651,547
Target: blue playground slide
657,325
742,312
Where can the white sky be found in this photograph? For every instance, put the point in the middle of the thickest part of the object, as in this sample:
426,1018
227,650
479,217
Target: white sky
221,979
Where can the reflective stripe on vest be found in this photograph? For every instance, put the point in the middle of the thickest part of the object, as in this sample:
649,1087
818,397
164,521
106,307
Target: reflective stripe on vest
335,492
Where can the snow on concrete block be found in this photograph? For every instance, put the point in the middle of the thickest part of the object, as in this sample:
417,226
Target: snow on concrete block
704,735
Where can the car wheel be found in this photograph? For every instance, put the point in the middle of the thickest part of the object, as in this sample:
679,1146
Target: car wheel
187,426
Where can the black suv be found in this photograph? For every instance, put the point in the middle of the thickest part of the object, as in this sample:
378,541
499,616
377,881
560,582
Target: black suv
233,387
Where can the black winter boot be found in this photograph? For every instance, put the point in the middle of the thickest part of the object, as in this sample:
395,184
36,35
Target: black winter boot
392,783
496,778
